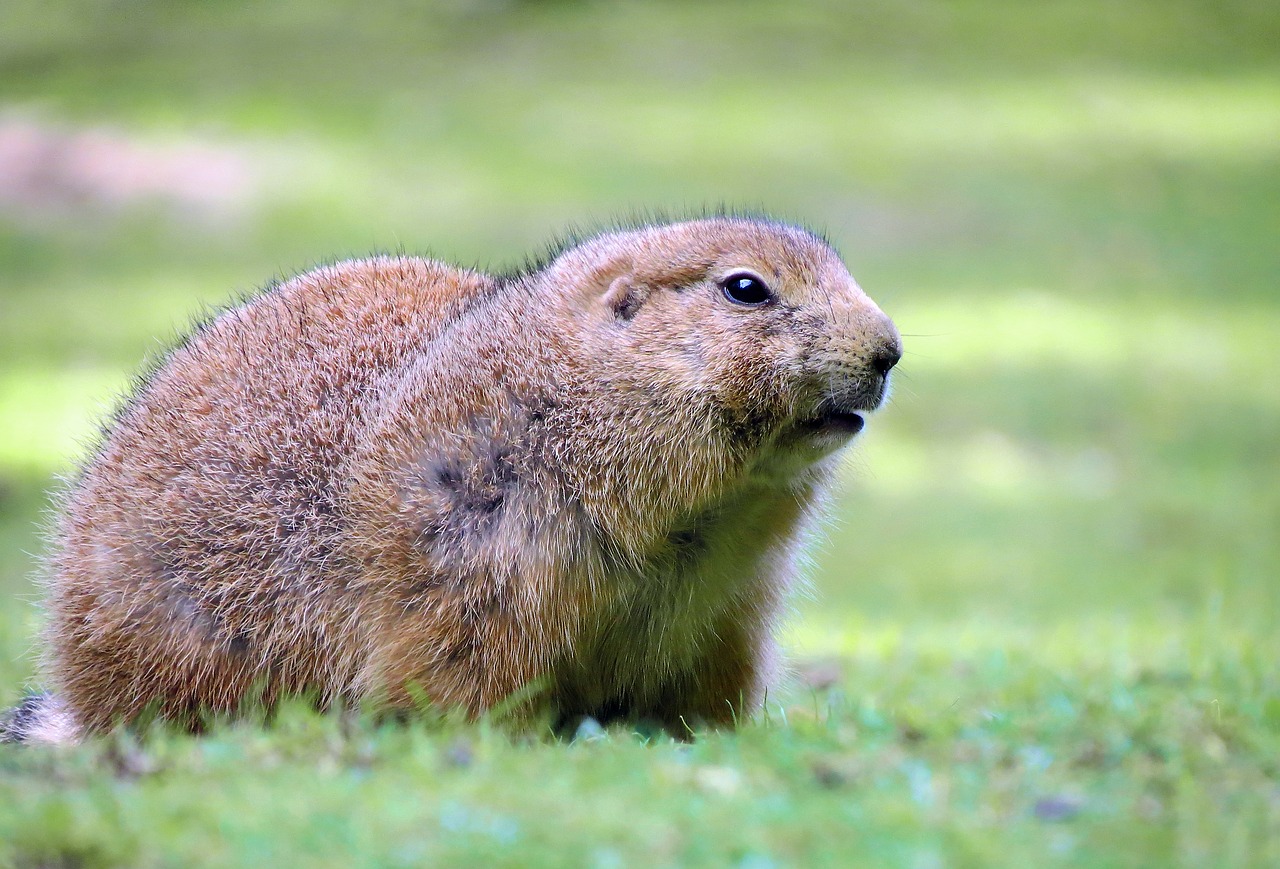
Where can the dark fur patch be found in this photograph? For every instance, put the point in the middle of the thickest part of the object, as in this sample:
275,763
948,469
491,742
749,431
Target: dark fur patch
238,645
459,500
480,490
687,545
468,500
462,651
462,495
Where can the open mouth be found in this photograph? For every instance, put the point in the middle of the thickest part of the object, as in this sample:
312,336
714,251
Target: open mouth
837,422
844,413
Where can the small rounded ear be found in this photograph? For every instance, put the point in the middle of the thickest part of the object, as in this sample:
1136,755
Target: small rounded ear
613,283
620,282
624,296
631,288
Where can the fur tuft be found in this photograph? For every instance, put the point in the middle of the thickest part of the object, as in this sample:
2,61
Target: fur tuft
39,718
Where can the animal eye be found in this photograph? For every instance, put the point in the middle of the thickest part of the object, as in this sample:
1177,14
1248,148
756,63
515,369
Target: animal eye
743,288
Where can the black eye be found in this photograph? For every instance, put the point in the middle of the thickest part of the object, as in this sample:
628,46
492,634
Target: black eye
746,289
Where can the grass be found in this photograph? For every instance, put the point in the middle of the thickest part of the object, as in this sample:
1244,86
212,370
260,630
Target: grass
1042,623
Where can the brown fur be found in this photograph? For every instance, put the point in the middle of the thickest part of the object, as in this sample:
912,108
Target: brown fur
392,475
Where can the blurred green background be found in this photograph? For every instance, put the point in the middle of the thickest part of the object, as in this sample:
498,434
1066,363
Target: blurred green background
1071,208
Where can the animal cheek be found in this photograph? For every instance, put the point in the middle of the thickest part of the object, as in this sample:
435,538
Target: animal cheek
694,350
761,386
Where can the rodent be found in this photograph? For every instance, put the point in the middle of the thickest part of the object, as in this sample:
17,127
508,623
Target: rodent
392,478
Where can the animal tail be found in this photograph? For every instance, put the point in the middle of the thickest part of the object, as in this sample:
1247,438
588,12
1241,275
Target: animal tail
39,718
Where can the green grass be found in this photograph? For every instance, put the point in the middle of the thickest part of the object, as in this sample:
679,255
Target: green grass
1047,606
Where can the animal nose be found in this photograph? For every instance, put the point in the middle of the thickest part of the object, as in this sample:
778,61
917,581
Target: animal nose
886,356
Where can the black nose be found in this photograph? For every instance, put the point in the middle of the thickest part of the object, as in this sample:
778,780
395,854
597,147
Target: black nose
886,356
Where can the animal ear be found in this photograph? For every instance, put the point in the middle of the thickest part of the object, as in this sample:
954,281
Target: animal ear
630,288
625,296
616,285
622,284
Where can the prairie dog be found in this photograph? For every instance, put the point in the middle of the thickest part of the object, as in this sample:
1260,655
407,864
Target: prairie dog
392,478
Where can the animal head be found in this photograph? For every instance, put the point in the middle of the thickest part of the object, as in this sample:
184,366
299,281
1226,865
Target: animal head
757,322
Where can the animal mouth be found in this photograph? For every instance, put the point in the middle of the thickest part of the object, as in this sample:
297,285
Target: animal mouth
835,421
843,416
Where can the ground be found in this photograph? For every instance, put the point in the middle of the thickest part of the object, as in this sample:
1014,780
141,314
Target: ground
1042,627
